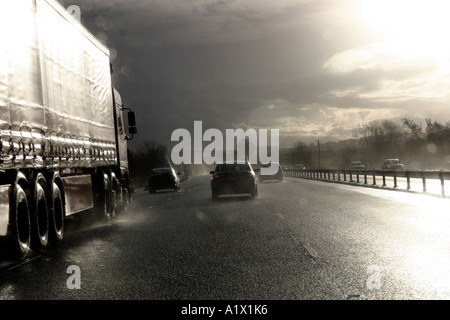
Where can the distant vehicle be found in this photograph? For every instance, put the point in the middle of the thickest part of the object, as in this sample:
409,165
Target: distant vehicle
300,166
357,165
163,179
392,164
277,176
233,178
283,167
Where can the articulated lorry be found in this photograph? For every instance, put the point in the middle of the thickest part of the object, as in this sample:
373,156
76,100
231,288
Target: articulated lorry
63,141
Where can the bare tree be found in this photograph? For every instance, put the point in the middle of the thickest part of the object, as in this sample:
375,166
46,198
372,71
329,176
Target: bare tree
415,128
379,138
300,152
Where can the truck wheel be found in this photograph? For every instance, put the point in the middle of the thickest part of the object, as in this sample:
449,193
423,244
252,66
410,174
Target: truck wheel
39,224
21,224
57,215
113,204
108,205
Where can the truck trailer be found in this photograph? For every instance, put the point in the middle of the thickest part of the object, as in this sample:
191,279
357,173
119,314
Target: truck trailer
63,140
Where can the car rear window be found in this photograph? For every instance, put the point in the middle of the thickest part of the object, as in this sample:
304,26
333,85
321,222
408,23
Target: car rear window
233,167
161,171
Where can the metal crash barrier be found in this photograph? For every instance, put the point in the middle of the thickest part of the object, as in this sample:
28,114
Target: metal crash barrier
419,179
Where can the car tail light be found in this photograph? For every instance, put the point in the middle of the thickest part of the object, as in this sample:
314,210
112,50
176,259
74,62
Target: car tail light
216,176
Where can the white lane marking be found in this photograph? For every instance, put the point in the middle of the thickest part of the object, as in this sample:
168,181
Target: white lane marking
311,251
24,262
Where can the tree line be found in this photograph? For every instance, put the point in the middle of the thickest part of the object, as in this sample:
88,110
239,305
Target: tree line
417,147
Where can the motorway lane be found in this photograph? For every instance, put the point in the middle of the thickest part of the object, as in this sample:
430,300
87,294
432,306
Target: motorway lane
300,239
361,233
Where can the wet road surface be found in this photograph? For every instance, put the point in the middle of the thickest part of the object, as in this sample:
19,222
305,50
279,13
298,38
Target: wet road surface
299,240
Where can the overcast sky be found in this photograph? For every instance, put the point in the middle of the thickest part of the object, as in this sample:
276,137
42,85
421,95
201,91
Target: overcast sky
314,69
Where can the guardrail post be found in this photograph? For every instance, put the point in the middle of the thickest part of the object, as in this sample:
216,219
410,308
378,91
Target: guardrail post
374,180
408,181
357,178
395,179
384,180
424,182
365,178
441,177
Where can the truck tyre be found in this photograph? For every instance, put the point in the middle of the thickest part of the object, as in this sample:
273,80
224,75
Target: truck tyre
21,224
122,201
57,215
40,223
108,203
113,204
126,196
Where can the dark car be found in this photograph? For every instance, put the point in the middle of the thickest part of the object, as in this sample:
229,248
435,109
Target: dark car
163,179
392,164
357,165
278,176
234,178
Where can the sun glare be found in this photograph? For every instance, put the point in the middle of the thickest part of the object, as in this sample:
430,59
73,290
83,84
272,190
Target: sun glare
17,34
418,25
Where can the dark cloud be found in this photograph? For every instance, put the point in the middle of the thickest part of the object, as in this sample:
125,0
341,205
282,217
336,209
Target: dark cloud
304,66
